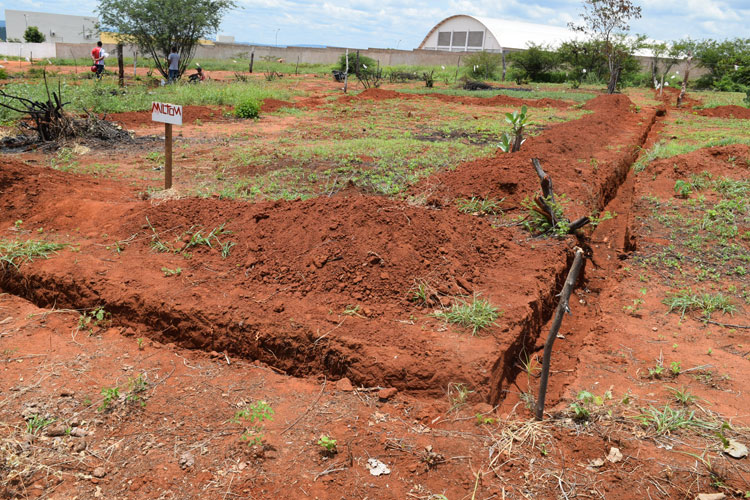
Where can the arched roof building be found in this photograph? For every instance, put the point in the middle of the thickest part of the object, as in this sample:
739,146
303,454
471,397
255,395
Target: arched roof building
463,33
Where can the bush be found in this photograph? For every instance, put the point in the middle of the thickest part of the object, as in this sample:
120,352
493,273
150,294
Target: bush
483,65
33,35
367,65
535,63
3,74
247,109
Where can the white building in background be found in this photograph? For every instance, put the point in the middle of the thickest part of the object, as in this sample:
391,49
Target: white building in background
55,27
468,33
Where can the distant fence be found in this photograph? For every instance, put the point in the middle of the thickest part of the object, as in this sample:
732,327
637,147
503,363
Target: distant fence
310,55
35,50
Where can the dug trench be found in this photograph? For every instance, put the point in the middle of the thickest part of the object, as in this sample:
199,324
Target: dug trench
323,285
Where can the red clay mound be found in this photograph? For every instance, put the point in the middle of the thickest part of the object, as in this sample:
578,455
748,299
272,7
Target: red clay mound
270,105
501,100
498,100
726,112
585,159
135,119
281,293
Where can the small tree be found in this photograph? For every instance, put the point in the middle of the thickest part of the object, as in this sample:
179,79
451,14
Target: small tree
158,25
602,21
483,65
33,35
535,63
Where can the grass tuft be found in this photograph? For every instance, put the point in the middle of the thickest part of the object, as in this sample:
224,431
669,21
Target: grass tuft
686,300
476,315
12,251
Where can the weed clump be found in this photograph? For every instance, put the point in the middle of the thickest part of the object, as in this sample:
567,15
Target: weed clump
476,315
247,109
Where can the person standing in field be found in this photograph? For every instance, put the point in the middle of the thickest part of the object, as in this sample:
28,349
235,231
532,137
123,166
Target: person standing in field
97,55
174,65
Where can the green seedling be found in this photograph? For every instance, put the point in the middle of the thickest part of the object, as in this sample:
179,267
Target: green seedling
683,189
328,445
682,395
37,423
517,121
111,394
140,341
675,368
458,393
171,272
256,414
485,420
480,206
94,318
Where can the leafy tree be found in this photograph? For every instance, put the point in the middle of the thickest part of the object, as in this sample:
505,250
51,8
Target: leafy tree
33,35
606,21
367,65
727,62
535,63
158,25
483,65
584,60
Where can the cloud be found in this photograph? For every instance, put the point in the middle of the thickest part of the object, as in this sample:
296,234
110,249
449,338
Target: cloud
382,23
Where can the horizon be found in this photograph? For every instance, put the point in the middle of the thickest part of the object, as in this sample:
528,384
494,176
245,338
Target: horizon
299,22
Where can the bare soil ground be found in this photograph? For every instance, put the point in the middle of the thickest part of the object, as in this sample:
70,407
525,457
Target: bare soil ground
134,358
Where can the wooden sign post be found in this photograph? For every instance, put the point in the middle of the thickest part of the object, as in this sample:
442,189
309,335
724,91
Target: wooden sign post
169,114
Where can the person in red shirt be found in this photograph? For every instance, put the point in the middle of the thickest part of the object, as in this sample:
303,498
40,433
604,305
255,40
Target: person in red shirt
97,55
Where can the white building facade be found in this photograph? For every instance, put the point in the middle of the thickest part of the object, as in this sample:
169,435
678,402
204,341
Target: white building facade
55,27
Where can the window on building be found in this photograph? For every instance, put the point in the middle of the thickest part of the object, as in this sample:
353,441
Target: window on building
444,39
476,38
459,39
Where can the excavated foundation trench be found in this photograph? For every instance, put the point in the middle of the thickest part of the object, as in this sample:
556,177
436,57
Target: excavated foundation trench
281,296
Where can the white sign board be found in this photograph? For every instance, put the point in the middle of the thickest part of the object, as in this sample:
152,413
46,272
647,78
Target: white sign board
166,113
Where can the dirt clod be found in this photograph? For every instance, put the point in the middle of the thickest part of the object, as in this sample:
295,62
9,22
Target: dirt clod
344,385
386,394
99,472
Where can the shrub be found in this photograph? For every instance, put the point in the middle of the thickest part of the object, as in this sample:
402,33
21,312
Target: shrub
367,65
33,35
483,65
535,63
3,74
247,109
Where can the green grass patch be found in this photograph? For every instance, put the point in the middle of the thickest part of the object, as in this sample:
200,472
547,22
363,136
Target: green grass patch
15,252
533,94
685,301
104,97
475,315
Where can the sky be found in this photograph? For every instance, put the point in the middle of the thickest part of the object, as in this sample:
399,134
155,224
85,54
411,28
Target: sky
392,24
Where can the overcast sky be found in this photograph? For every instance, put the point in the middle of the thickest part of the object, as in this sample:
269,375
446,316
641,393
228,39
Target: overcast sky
388,23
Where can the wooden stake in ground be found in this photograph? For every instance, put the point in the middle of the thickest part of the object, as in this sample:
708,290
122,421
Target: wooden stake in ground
169,114
120,66
346,72
252,60
562,308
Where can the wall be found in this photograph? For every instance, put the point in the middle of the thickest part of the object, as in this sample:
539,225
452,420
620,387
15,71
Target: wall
55,27
313,55
35,50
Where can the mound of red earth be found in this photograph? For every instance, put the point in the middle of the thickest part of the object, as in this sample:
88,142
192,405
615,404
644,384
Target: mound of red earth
270,105
726,112
373,94
587,159
135,119
323,285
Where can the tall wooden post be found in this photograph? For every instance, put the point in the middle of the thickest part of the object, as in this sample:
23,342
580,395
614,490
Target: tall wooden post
252,59
346,72
167,155
120,66
296,67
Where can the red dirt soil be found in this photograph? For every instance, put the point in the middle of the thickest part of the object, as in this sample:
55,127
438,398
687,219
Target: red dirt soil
726,112
298,265
280,299
136,119
498,100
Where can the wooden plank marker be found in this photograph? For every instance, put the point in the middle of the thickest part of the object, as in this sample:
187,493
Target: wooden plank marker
169,114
